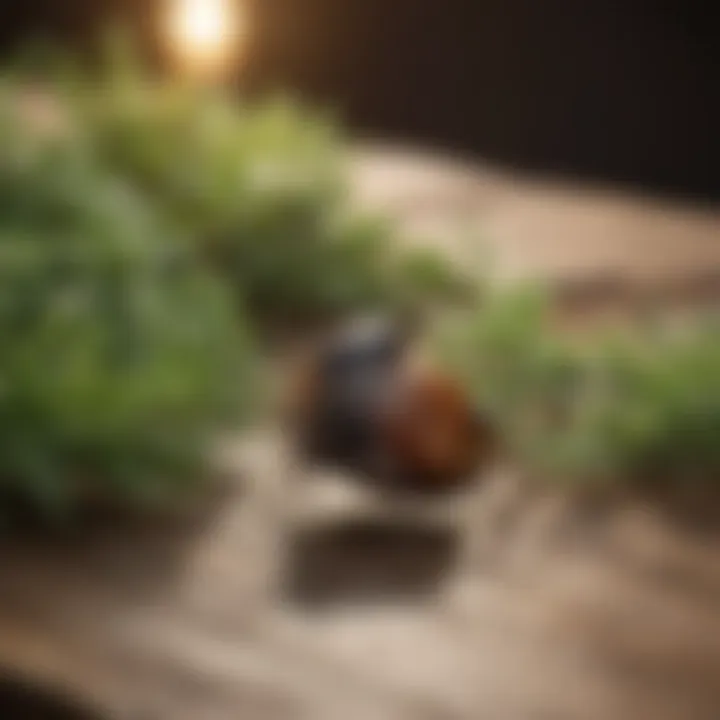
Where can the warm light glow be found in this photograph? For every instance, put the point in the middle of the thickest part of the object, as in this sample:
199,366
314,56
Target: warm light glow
205,36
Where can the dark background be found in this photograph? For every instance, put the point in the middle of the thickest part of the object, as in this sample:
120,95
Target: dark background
620,91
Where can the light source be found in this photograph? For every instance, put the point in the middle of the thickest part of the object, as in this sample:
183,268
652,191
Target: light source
204,37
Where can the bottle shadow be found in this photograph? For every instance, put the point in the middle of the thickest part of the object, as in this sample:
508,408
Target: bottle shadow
368,561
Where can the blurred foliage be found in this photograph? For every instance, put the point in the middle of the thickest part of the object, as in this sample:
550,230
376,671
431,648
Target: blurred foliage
139,221
638,404
120,357
261,187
